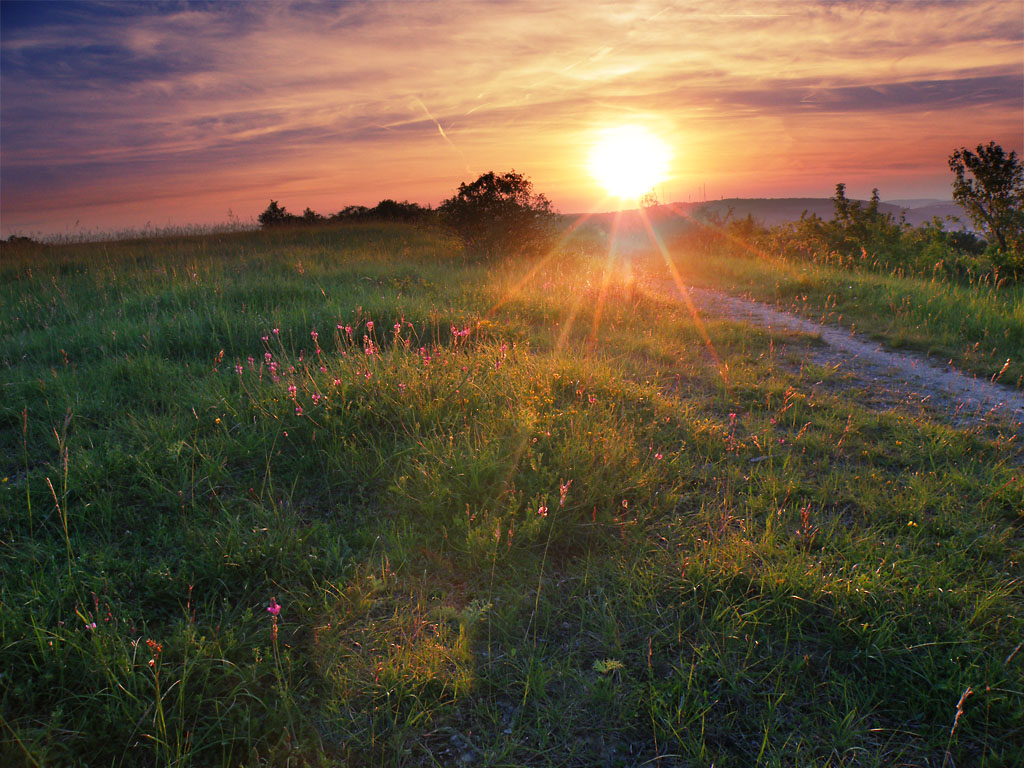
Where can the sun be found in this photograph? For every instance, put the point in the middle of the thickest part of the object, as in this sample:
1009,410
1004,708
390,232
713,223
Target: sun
629,161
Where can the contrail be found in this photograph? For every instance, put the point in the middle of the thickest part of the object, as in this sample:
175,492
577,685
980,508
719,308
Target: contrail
444,135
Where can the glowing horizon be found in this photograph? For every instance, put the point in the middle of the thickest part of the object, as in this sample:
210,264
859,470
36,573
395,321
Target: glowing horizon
118,114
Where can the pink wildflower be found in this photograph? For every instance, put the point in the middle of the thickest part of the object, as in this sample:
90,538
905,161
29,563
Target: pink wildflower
298,410
369,325
292,390
267,356
273,609
238,368
314,334
265,338
542,511
277,331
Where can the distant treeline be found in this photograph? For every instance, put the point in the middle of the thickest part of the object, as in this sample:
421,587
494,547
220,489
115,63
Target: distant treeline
276,215
859,236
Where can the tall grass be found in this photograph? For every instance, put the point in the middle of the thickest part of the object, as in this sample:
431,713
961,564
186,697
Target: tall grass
510,514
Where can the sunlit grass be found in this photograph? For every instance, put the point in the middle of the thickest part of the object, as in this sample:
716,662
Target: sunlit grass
522,518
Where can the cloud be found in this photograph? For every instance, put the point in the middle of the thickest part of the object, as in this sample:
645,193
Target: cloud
100,97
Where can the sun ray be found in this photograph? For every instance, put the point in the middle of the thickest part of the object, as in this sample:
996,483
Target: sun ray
684,292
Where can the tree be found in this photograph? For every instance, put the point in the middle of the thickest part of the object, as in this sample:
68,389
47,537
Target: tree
309,216
500,214
994,197
275,216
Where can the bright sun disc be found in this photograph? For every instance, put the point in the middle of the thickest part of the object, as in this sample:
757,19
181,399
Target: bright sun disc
629,161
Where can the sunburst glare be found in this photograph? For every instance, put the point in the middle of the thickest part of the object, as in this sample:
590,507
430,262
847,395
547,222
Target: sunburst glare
628,161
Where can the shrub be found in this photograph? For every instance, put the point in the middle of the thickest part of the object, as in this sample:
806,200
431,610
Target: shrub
500,215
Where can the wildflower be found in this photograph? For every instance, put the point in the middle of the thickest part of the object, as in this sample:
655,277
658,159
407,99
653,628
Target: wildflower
401,385
265,338
732,417
292,390
398,328
238,368
217,420
274,608
348,330
316,399
277,331
563,491
369,325
542,511
323,369
90,625
298,410
658,456
314,334
337,382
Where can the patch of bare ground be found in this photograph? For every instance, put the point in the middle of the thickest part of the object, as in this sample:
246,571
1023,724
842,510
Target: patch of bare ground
884,378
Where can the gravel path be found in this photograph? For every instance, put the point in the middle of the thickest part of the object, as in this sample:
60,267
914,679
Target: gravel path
889,377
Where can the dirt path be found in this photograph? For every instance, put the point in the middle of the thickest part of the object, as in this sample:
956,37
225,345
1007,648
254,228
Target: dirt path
888,378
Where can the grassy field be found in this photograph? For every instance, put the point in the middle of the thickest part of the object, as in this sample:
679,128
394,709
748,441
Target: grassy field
341,497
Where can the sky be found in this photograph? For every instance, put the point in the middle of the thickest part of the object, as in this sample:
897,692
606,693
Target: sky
115,115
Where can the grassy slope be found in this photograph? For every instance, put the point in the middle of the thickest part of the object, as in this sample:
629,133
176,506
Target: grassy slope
740,572
980,329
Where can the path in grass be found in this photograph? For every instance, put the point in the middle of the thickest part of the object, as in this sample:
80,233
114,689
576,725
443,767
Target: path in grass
889,376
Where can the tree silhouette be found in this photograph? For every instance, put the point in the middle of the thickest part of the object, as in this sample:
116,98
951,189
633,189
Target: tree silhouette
275,216
500,214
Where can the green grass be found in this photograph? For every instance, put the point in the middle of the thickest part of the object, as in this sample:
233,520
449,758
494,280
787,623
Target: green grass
979,328
558,539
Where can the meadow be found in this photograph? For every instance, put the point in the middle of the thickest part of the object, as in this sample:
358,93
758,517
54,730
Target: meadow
344,496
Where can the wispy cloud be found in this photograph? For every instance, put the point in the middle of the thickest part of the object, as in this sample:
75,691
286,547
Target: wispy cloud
217,105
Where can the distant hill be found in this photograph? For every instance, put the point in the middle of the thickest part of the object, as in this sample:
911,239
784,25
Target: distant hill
773,211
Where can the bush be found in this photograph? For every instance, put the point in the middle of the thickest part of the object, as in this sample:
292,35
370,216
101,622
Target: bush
276,216
500,215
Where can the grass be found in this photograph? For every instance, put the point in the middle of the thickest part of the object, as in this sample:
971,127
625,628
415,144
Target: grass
520,520
979,328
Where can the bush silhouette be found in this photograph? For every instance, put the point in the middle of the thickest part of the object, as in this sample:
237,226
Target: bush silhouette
276,216
500,215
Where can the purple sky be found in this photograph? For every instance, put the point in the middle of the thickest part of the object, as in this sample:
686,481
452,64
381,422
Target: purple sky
117,114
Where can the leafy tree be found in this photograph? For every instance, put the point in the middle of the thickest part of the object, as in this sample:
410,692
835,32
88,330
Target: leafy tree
309,216
275,216
500,215
989,184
